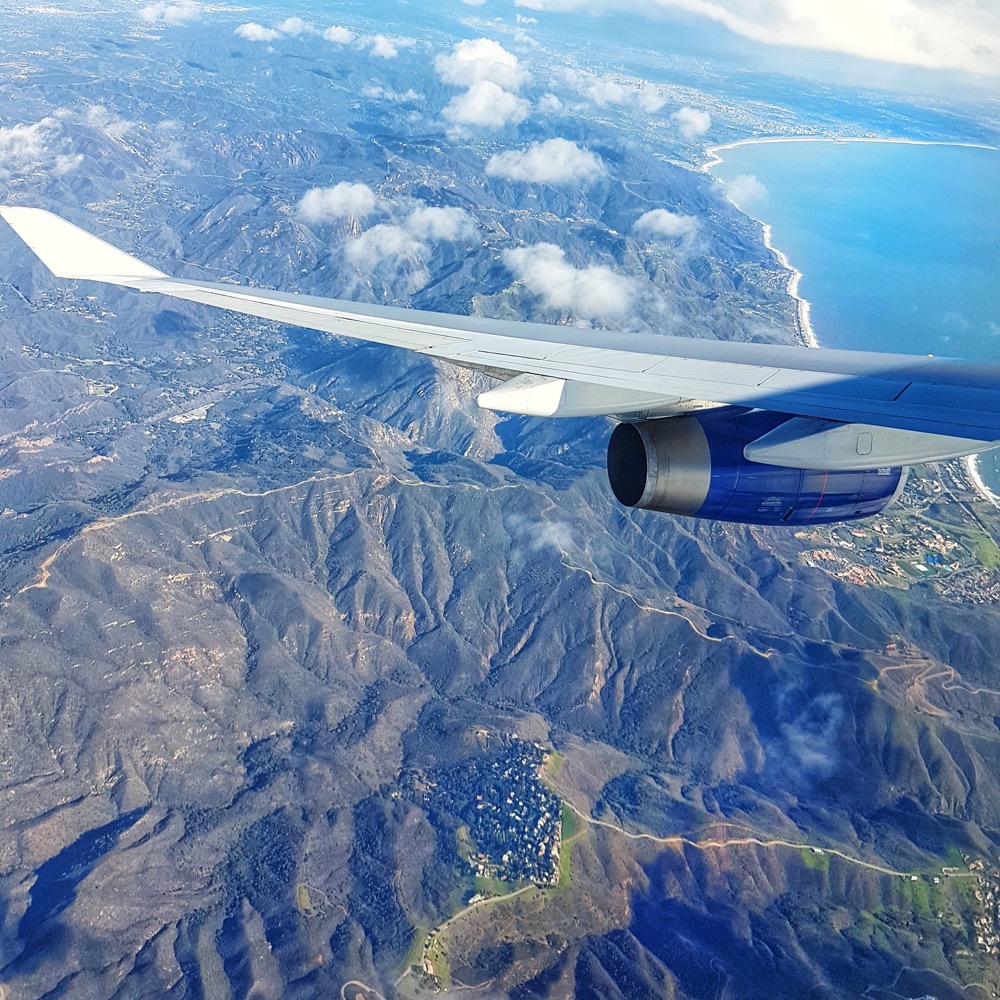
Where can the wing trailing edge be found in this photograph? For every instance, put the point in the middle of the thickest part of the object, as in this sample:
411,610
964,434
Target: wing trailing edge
568,371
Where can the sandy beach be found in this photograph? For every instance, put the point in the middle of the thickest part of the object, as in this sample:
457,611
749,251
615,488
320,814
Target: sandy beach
806,331
805,328
715,159
971,463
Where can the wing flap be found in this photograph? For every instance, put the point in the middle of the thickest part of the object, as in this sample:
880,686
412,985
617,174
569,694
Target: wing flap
864,388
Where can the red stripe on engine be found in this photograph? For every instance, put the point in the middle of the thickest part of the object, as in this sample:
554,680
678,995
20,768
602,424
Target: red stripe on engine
822,493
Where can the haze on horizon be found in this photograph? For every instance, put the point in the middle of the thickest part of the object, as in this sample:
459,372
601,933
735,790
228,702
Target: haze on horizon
963,36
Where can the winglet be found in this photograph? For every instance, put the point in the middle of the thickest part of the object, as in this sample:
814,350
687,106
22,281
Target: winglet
70,252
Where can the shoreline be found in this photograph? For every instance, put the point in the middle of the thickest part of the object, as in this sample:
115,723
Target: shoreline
971,463
803,306
803,310
715,159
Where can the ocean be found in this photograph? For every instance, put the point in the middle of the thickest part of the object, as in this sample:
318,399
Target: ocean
898,244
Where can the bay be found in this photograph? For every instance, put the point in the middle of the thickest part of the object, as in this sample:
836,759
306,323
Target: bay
897,243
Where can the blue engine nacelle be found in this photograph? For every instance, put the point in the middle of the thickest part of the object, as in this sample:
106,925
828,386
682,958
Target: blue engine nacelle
694,465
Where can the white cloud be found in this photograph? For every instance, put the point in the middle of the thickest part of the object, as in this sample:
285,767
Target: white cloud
660,222
474,3
24,144
343,200
431,223
650,99
746,192
172,149
605,91
390,245
381,242
956,320
555,161
28,147
811,739
385,94
555,534
254,32
523,38
521,19
98,116
64,164
474,60
384,47
295,26
175,12
592,292
539,534
422,224
549,104
488,105
339,34
691,122
958,34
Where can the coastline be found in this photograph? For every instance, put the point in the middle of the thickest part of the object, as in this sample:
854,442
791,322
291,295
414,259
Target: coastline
803,306
715,159
971,463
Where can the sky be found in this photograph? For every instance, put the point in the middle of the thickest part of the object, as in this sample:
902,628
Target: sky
959,35
955,35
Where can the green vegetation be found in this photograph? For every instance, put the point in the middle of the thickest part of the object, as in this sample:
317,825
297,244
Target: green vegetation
817,862
863,928
437,956
464,845
570,824
510,818
552,765
965,897
460,891
954,858
917,896
986,551
571,830
414,955
303,901
565,876
492,886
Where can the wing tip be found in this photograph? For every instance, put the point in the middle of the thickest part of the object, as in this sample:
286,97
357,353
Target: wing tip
71,252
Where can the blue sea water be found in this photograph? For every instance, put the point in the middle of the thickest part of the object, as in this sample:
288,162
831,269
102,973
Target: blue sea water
898,244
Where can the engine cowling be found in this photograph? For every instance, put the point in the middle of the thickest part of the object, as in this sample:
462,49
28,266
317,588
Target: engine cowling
694,465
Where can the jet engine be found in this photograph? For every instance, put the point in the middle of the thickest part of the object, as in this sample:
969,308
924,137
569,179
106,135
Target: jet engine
694,465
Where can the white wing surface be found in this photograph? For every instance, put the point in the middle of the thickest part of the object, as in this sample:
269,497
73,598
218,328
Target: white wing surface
566,371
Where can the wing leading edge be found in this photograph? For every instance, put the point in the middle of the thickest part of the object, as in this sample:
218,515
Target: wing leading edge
563,371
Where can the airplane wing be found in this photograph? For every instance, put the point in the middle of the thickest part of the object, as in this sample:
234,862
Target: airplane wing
929,408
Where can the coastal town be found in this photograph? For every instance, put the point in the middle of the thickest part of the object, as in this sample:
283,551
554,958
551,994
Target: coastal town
942,534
